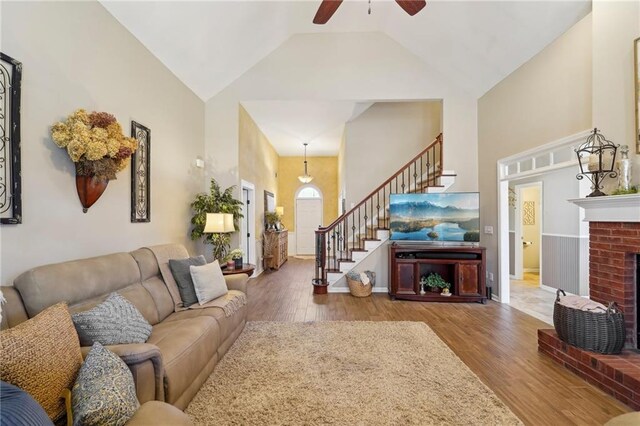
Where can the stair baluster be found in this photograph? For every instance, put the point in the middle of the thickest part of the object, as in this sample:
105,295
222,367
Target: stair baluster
332,242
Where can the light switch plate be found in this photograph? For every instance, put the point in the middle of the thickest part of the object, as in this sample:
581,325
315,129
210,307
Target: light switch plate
488,229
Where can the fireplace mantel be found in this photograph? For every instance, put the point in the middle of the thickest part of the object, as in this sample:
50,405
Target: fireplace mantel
614,264
613,208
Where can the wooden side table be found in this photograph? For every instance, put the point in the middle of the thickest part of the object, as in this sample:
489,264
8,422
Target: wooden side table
247,268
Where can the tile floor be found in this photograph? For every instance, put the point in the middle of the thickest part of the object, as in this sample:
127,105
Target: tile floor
528,297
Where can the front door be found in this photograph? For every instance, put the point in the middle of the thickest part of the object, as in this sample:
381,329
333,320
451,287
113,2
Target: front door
308,218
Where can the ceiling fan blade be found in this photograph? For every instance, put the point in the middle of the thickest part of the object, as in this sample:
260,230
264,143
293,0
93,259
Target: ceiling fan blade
325,11
412,6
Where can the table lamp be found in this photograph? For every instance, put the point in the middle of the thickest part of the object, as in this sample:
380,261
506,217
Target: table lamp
220,225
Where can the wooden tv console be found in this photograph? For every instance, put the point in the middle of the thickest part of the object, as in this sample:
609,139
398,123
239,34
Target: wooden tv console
462,266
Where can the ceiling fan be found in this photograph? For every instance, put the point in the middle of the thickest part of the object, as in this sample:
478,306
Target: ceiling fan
328,8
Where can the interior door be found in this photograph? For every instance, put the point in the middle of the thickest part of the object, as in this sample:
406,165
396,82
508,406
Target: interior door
245,236
308,218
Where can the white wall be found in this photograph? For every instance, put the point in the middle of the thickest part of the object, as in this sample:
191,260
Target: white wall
76,55
559,215
342,191
353,66
384,138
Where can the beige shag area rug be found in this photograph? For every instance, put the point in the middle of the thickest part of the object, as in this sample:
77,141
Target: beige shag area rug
344,373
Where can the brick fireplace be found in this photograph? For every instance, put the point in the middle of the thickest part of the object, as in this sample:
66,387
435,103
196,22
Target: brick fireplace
613,253
614,248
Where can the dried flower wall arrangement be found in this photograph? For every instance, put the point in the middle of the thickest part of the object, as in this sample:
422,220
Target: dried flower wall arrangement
95,143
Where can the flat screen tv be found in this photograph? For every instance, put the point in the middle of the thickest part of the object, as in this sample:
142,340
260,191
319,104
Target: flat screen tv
448,216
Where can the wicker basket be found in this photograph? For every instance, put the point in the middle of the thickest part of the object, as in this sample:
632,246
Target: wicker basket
358,289
596,332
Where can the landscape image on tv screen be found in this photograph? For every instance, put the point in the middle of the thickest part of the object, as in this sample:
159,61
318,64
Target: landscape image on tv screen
435,217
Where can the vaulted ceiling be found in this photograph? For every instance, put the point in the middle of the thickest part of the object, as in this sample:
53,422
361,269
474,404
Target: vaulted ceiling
474,43
288,124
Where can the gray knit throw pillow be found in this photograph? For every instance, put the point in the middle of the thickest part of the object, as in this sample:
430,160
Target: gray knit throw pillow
115,321
104,392
182,275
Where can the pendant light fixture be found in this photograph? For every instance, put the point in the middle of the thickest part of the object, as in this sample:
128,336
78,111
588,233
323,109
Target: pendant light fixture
306,177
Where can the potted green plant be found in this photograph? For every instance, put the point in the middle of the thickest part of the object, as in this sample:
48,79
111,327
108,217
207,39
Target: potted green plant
436,283
216,201
272,220
236,255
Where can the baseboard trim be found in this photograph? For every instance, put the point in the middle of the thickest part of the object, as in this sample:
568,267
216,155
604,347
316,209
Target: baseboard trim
531,270
547,288
346,290
338,290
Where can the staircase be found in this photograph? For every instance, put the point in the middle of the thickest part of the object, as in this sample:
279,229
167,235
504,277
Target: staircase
358,232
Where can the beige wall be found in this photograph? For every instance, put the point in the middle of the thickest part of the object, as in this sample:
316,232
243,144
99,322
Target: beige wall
329,66
547,98
76,55
615,26
383,139
325,177
259,166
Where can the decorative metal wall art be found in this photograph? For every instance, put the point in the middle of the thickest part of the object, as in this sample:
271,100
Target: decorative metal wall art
141,174
10,184
529,213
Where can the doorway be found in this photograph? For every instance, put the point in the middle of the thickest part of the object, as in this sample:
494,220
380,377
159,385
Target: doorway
525,246
308,218
248,223
528,231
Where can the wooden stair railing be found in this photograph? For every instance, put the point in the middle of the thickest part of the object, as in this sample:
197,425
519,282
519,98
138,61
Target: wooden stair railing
349,232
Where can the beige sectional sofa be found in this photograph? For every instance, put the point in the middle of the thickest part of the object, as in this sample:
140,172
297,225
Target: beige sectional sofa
184,346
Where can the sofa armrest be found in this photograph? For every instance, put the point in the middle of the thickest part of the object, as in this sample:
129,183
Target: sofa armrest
237,282
145,362
159,413
13,311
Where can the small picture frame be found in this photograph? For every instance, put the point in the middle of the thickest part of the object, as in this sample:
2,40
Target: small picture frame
141,174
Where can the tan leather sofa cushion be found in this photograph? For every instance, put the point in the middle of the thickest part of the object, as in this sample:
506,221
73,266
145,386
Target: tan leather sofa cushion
13,312
227,324
237,282
135,293
152,281
76,281
159,413
187,345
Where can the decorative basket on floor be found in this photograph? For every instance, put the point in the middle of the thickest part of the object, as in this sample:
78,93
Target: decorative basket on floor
601,332
356,287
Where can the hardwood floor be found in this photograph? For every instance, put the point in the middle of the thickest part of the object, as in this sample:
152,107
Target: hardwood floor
497,342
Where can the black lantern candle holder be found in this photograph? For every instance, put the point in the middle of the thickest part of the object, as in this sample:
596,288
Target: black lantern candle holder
597,158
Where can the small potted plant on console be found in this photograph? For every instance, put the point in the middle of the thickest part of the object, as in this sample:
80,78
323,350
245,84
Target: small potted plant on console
437,284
